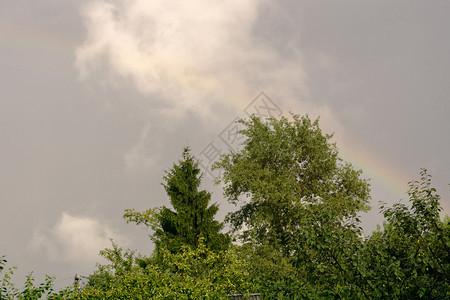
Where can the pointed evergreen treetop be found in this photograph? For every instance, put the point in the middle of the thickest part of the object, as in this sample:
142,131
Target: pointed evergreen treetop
191,217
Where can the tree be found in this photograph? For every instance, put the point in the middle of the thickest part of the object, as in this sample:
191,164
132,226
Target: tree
120,262
198,273
410,257
191,218
295,183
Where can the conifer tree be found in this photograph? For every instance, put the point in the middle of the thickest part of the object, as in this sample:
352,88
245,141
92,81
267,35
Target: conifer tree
191,217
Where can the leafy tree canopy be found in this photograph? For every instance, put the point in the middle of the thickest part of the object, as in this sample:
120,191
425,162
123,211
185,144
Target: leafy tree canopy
293,179
410,257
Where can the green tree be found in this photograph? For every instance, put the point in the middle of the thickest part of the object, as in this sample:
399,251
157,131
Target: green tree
120,262
300,198
270,273
294,181
191,217
190,273
410,257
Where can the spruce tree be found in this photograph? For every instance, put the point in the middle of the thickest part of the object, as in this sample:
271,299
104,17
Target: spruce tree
191,216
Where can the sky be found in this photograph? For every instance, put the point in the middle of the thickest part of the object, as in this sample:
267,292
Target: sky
98,98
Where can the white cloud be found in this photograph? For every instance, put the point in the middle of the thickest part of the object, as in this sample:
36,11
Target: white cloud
184,51
198,54
74,238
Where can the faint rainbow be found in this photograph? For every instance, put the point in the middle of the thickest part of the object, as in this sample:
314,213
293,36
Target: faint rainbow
378,168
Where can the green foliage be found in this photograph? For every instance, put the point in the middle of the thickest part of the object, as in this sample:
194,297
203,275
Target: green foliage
8,290
3,262
410,257
149,217
198,273
29,291
270,273
294,182
215,273
191,217
303,200
120,262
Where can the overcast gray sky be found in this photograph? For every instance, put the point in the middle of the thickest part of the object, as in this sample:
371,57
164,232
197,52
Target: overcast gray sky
98,98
